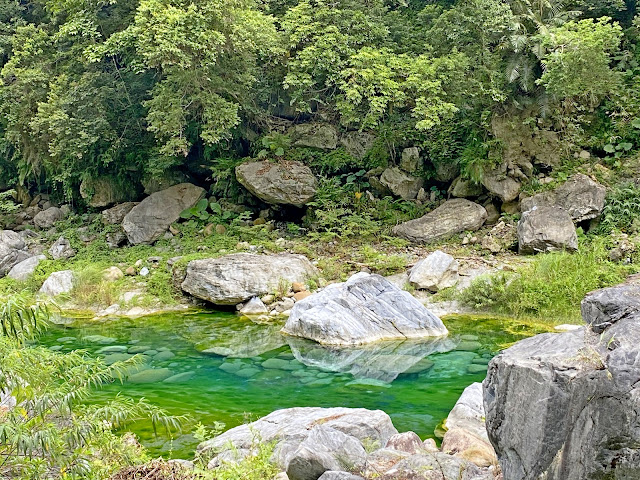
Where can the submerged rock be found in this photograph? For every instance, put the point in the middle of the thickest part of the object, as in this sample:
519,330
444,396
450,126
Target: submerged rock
546,229
235,278
366,308
150,219
564,406
309,441
453,216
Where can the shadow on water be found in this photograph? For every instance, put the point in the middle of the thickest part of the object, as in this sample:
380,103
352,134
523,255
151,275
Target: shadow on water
218,367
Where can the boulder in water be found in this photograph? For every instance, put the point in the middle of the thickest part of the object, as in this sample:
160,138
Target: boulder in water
366,308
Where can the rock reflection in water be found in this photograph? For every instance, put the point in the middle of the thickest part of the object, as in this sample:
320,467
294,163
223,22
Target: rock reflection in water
241,339
382,361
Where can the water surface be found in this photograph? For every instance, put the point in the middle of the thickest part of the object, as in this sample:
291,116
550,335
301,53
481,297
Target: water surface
218,367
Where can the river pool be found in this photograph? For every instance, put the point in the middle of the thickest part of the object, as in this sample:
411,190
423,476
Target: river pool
218,367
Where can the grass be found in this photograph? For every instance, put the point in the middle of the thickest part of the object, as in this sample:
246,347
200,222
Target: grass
551,286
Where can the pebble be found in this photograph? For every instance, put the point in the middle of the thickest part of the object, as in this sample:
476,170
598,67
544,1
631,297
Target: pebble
144,271
180,377
114,349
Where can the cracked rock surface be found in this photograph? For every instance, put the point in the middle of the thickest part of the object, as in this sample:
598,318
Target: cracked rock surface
566,406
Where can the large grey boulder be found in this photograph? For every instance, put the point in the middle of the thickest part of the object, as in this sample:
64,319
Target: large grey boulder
151,218
464,188
580,196
436,466
436,272
410,160
235,278
565,406
501,184
12,251
23,270
453,216
278,183
300,434
115,215
366,308
357,144
401,184
58,283
102,192
546,229
325,449
48,218
322,136
466,435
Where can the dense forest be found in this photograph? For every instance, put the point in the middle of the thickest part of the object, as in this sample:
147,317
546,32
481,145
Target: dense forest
137,90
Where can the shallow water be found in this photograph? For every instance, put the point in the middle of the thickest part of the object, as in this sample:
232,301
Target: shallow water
218,367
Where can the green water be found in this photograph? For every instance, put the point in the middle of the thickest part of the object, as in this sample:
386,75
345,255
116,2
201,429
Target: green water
233,370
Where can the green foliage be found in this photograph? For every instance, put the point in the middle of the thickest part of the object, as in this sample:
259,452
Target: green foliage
622,209
51,432
578,57
275,144
550,287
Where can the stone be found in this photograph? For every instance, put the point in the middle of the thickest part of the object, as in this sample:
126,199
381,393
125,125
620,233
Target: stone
102,192
580,196
546,229
493,214
130,271
501,185
325,449
301,295
333,475
322,136
235,278
58,283
410,160
116,239
401,184
62,249
163,181
357,144
408,442
150,375
23,270
183,377
381,461
12,251
151,218
453,216
115,215
297,287
290,183
112,274
220,229
563,406
254,307
462,443
436,272
436,466
289,428
445,171
366,308
48,218
464,188
144,272
468,413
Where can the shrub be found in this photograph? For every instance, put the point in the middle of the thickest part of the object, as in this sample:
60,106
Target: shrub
551,286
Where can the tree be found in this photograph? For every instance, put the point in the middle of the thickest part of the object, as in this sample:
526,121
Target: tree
578,59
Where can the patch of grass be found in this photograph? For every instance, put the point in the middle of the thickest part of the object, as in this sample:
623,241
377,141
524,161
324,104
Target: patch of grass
551,286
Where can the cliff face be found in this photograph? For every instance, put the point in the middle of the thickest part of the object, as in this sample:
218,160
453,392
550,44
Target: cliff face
565,406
